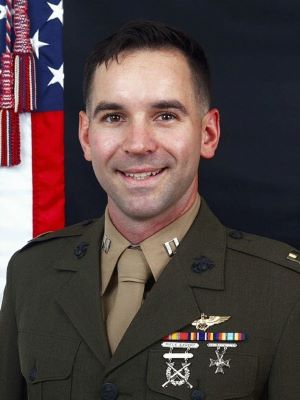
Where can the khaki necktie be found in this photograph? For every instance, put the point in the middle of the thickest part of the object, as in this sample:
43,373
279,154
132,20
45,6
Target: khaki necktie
133,273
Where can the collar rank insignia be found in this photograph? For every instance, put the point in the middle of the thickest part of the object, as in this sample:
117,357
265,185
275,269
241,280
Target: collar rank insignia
206,322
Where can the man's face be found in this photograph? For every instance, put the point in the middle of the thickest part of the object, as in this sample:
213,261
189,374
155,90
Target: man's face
144,132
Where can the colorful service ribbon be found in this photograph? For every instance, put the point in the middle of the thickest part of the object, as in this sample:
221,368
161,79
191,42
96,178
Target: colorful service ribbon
207,336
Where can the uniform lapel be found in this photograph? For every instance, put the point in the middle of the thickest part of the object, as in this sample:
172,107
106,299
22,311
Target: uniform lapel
171,304
80,297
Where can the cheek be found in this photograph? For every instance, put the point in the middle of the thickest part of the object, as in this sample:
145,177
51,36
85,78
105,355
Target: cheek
186,149
102,148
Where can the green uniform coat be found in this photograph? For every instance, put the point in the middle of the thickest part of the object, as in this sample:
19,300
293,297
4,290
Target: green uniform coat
53,343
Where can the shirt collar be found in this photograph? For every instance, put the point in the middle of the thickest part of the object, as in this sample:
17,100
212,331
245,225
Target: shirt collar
154,247
116,246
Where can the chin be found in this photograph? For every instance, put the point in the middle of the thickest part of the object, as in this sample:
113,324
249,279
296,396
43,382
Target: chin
142,214
143,205
143,209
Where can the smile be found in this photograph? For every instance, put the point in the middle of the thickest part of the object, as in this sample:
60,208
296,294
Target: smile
142,175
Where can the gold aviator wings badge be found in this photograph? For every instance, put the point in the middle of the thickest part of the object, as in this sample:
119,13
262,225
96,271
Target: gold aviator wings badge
206,322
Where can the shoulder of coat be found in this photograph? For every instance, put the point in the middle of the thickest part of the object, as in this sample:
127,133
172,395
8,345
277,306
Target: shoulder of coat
264,248
72,230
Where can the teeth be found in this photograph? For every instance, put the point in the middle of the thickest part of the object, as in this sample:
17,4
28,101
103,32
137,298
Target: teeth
142,175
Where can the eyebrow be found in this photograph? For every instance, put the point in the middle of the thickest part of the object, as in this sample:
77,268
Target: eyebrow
166,104
104,106
161,104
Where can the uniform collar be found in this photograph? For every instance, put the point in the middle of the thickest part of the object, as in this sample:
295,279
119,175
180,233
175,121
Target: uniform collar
116,243
154,247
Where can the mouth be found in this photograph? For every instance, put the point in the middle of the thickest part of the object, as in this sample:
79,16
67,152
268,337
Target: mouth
143,175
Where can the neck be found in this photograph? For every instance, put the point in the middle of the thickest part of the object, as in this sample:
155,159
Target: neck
136,230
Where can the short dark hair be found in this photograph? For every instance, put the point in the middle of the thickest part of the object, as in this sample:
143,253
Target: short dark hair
142,34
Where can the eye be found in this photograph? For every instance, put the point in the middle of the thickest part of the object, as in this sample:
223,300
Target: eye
166,116
112,118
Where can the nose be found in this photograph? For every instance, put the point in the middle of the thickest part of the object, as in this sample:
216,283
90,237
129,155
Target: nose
139,139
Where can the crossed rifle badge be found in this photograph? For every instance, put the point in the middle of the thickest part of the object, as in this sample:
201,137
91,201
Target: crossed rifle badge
180,375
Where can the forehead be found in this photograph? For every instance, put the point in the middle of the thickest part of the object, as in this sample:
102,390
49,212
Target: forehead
143,74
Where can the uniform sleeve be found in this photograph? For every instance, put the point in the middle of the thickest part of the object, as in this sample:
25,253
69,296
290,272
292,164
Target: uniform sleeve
11,381
284,382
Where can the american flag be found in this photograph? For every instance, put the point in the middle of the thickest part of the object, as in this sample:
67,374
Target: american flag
32,193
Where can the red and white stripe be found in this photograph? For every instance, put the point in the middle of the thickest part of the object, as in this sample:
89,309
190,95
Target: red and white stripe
32,197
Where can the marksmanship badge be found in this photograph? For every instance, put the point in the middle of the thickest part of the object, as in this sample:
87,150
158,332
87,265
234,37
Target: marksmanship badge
178,375
206,322
220,351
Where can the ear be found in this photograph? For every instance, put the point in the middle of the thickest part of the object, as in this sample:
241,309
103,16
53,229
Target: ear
83,132
210,133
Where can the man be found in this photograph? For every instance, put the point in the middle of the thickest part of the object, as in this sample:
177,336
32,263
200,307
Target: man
156,300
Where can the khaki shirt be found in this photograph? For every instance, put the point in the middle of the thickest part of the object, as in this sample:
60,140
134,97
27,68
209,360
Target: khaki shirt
153,248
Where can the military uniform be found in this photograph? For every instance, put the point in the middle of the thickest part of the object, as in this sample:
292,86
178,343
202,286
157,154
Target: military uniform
53,340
